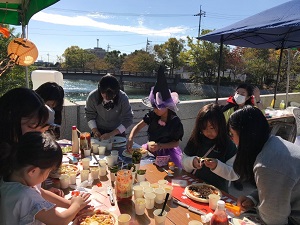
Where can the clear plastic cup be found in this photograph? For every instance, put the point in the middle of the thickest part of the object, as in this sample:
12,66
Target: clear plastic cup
85,163
84,175
159,220
138,191
140,206
124,219
160,195
64,181
150,199
95,172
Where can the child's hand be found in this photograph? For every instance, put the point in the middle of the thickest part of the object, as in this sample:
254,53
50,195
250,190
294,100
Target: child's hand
211,163
197,163
153,147
81,200
129,144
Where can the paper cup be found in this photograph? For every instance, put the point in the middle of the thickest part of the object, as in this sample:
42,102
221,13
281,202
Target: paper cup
154,185
85,163
110,160
101,150
84,175
87,152
95,173
168,189
150,198
124,219
148,190
140,177
95,148
72,177
102,162
160,195
64,181
159,220
140,205
213,200
145,184
102,171
138,191
162,182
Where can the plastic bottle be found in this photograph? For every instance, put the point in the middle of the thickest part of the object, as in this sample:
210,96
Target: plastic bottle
282,105
220,216
75,142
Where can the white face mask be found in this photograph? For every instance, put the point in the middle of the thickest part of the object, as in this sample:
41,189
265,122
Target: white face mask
239,99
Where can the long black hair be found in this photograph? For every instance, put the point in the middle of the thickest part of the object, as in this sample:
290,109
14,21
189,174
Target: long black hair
16,104
51,91
110,86
33,149
210,113
253,130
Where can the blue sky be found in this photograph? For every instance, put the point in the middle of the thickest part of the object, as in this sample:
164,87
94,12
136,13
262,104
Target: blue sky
125,25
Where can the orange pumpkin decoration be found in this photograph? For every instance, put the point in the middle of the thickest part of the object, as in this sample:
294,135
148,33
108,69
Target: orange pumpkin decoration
22,51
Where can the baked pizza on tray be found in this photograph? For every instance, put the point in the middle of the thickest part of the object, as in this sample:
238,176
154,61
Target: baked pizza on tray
96,217
200,192
128,153
65,168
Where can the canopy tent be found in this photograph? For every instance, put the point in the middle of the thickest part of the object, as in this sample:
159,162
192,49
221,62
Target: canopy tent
277,27
19,12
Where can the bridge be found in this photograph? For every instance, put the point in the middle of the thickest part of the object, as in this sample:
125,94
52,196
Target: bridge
123,76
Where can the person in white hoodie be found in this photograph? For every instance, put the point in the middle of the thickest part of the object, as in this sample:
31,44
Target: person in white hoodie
209,153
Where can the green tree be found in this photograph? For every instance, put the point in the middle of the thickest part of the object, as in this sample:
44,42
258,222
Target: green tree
139,61
76,57
169,53
115,59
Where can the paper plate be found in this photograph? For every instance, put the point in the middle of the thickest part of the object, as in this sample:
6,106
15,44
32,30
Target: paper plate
206,188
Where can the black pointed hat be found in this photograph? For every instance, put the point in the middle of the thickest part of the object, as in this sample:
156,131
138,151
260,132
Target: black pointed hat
160,96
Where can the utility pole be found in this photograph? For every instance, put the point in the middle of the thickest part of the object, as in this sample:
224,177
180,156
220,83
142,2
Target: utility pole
97,43
108,47
200,14
147,44
48,58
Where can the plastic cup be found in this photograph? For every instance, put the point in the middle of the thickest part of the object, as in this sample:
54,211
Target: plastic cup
72,177
148,190
145,184
87,152
140,177
154,185
159,220
140,205
168,189
160,195
64,181
110,160
115,155
149,197
102,162
124,219
162,182
195,222
86,163
84,175
101,150
212,201
102,171
138,191
95,172
95,148
137,166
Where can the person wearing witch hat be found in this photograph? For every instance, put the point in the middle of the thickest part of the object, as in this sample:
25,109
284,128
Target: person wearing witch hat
165,129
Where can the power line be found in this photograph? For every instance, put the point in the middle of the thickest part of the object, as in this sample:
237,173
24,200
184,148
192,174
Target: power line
200,14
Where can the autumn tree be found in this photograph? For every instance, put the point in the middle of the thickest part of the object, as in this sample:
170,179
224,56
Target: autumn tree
235,61
139,61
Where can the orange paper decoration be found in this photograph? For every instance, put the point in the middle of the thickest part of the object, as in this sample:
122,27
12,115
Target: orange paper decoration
22,51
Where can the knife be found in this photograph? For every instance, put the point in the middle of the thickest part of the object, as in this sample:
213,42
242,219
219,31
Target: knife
111,195
190,208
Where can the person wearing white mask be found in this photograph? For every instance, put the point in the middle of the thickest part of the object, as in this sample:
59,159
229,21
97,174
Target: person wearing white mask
244,95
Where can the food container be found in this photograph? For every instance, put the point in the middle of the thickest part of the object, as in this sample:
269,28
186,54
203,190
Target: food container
124,185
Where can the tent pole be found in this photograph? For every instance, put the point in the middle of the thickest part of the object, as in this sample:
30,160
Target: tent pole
219,69
277,78
26,68
288,77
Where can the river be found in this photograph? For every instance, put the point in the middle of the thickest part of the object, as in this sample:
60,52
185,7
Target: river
78,90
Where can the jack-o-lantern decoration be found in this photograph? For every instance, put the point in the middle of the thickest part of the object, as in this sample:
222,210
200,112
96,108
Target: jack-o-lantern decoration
22,51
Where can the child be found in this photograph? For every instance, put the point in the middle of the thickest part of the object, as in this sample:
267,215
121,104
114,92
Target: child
209,140
23,167
164,126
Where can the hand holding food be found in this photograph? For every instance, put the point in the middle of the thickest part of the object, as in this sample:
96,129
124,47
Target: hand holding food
210,163
129,144
197,163
81,200
245,203
152,146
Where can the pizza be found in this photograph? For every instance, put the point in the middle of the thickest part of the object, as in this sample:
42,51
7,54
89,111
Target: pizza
65,168
96,217
128,153
200,192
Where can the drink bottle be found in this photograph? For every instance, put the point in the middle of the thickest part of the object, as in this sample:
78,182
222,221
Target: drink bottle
282,105
220,216
75,142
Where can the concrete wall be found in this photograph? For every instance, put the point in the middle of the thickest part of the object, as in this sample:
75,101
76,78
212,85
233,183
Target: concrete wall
73,114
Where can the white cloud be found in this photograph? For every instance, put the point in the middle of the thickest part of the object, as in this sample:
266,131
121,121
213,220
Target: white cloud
89,22
99,16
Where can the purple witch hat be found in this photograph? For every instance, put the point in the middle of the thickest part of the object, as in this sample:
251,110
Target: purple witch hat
160,96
